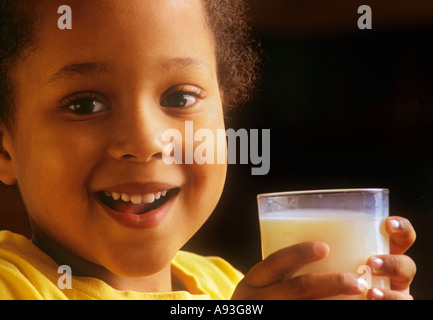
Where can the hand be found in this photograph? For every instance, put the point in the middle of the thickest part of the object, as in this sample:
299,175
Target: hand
398,267
271,278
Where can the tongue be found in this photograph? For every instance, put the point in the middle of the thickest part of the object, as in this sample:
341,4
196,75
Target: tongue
126,207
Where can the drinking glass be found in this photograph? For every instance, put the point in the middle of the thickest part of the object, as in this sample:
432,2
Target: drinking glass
350,221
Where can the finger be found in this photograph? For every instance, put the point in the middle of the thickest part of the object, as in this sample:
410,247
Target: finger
308,286
401,234
400,269
385,294
316,286
285,261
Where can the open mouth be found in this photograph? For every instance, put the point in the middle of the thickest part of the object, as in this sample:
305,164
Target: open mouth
135,203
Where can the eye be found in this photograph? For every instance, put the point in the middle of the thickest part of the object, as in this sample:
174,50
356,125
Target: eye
182,98
84,105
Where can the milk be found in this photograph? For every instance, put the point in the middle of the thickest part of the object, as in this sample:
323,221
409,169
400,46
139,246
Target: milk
352,238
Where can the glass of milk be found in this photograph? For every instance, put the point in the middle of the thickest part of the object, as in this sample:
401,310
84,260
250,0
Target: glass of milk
350,221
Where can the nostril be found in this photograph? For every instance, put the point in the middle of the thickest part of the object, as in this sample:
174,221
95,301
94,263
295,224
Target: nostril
158,155
128,156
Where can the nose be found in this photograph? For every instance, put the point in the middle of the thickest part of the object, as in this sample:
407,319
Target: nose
136,134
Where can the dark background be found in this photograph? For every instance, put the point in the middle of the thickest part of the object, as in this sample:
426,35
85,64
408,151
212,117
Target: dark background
346,108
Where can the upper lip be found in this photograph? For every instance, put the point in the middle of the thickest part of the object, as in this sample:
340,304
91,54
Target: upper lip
139,188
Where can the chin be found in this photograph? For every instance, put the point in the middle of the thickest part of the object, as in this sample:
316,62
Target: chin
139,266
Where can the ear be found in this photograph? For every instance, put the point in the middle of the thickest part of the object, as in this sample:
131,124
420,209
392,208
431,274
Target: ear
7,173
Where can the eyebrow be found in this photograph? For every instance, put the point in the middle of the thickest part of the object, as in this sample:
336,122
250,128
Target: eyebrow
76,70
185,63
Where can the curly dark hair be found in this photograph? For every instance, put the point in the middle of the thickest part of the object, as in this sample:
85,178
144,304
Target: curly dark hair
237,53
17,31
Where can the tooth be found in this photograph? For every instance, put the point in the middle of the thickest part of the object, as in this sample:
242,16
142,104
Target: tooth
125,197
136,199
148,198
115,195
163,193
107,194
158,195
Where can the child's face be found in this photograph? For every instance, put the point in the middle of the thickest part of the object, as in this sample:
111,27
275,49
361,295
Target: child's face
92,105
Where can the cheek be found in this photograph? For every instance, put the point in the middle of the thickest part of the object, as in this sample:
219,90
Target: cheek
207,180
202,194
53,169
53,162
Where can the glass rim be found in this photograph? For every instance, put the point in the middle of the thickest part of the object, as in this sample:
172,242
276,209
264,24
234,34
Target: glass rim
322,191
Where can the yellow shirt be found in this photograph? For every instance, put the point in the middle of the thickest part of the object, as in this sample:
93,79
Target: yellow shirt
26,272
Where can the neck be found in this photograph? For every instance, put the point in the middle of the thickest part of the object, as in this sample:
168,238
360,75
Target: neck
157,282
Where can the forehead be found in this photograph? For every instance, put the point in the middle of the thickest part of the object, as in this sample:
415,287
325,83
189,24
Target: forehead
88,15
121,32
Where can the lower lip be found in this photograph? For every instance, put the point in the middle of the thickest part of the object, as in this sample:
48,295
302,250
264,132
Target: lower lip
146,220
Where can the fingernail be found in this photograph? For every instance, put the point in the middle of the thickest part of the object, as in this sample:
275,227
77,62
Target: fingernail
362,284
377,263
395,224
321,249
377,294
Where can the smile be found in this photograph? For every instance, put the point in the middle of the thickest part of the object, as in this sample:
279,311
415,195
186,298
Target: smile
136,198
137,204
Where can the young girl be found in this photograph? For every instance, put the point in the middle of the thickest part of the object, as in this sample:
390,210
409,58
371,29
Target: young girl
82,117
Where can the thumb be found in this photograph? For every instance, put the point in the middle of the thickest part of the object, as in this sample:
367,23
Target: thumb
285,262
